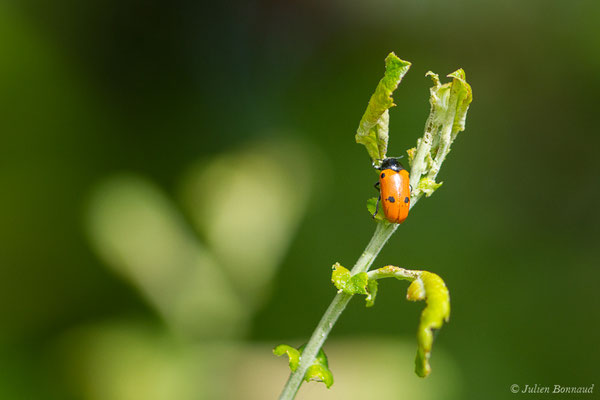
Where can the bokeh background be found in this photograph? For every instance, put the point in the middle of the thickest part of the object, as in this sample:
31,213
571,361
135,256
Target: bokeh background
178,178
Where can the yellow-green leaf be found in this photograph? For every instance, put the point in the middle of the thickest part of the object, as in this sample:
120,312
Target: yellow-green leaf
318,371
348,283
428,186
372,289
464,95
359,283
292,353
449,105
431,288
424,286
373,129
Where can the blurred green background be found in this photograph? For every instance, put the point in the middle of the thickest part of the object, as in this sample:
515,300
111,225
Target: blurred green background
178,178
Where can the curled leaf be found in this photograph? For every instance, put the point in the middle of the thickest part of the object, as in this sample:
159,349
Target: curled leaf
318,371
449,105
431,288
293,355
372,289
373,128
464,95
424,286
345,282
416,291
428,186
359,283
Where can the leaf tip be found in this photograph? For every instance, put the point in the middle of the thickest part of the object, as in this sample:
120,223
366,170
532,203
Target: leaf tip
458,74
434,77
393,58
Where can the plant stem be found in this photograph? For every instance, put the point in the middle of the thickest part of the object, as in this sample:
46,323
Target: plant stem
383,232
314,345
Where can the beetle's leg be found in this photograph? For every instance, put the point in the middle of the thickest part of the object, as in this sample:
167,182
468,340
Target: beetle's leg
377,206
376,186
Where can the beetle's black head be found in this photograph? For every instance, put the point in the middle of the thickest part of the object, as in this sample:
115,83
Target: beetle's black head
392,163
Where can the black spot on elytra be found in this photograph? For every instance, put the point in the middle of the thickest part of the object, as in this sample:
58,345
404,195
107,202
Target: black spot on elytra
391,199
406,200
383,175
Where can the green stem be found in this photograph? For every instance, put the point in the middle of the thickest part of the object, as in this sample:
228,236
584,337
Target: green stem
314,345
383,232
449,105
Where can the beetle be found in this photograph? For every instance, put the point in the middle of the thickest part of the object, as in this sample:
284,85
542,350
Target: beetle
394,190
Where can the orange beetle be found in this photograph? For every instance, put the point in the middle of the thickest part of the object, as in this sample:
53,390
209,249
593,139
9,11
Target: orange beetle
394,187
